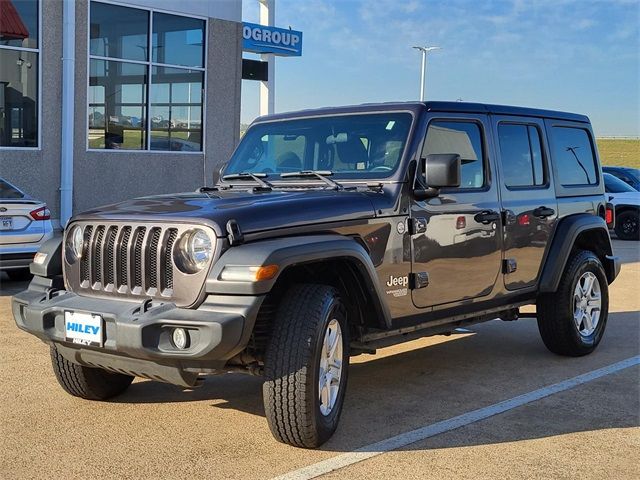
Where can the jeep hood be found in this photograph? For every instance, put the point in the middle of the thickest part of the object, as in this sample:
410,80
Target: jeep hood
253,211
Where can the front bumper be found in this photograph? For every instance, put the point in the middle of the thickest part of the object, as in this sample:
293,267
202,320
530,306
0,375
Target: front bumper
137,336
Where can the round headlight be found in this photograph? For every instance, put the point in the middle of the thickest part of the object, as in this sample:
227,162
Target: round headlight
75,242
194,251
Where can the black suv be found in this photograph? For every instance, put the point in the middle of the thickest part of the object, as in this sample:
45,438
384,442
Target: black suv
331,233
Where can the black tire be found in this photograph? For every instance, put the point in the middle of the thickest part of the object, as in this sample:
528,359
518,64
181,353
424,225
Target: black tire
628,225
85,382
20,275
292,366
555,311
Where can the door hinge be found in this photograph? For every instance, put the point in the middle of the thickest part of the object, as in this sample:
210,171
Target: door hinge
509,265
418,280
417,225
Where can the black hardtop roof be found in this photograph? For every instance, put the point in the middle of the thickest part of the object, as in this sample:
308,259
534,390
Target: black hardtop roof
458,107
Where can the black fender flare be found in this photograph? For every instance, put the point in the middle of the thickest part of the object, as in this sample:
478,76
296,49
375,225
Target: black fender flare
565,236
290,251
625,207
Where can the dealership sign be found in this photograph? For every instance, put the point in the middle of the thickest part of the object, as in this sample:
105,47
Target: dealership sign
279,41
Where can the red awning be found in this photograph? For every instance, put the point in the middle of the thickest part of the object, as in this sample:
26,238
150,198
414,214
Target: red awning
11,25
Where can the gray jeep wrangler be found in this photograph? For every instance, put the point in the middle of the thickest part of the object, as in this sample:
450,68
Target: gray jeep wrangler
331,233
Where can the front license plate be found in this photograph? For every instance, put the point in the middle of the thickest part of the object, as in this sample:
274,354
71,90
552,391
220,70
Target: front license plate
83,328
6,223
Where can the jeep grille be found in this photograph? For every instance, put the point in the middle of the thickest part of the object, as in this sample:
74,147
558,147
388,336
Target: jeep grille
132,261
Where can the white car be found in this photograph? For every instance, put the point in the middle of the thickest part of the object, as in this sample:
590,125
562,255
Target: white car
25,224
626,203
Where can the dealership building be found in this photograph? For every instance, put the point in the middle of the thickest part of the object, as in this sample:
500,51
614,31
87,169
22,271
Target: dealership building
106,100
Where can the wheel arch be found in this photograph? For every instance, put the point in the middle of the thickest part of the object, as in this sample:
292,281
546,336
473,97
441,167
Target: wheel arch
346,274
332,259
626,208
583,231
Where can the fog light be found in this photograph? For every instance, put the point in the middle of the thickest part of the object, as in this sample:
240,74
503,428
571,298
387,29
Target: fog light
180,338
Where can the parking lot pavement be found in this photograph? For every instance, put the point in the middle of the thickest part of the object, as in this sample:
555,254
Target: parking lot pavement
219,431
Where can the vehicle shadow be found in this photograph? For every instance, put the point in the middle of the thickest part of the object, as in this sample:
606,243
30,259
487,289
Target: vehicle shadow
10,287
393,393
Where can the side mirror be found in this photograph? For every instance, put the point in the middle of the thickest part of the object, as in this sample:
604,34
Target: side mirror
440,170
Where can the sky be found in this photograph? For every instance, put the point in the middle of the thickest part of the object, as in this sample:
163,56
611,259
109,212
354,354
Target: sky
576,55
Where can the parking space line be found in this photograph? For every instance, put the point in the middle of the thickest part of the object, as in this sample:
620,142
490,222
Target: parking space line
407,438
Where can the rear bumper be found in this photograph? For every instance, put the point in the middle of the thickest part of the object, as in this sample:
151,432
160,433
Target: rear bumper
138,341
20,255
11,261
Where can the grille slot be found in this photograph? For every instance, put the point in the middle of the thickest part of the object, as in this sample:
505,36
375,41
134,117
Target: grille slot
136,265
152,258
85,260
123,256
167,271
108,255
96,274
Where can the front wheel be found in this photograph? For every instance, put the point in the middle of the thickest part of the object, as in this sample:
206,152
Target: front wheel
306,366
86,382
572,319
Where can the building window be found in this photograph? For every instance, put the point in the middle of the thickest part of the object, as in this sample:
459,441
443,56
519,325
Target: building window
19,73
521,155
146,80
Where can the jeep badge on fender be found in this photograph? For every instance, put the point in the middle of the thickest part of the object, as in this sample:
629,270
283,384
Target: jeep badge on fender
298,258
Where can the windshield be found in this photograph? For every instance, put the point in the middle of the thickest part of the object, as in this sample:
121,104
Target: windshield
350,146
615,185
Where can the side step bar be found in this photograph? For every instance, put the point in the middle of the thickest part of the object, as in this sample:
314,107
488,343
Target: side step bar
369,342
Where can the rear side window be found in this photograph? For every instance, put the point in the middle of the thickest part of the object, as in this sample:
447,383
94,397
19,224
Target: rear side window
573,155
7,191
463,138
521,155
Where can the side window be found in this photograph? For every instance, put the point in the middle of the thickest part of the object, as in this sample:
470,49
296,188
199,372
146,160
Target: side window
521,155
463,138
573,155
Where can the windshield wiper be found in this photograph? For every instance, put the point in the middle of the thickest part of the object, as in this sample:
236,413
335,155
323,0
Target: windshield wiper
256,177
320,174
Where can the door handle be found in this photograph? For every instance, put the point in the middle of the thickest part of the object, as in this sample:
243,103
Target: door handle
543,212
486,217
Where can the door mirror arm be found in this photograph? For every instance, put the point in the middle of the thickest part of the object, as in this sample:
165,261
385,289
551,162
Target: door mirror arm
425,193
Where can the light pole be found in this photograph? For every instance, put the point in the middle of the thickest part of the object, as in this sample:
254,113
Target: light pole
423,70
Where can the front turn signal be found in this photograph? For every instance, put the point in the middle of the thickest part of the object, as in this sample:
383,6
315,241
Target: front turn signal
248,273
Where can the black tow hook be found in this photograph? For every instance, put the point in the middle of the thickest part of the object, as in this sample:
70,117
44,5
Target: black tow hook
146,305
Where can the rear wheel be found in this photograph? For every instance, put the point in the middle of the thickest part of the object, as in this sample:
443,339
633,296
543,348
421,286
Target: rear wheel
85,382
306,366
572,320
628,225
